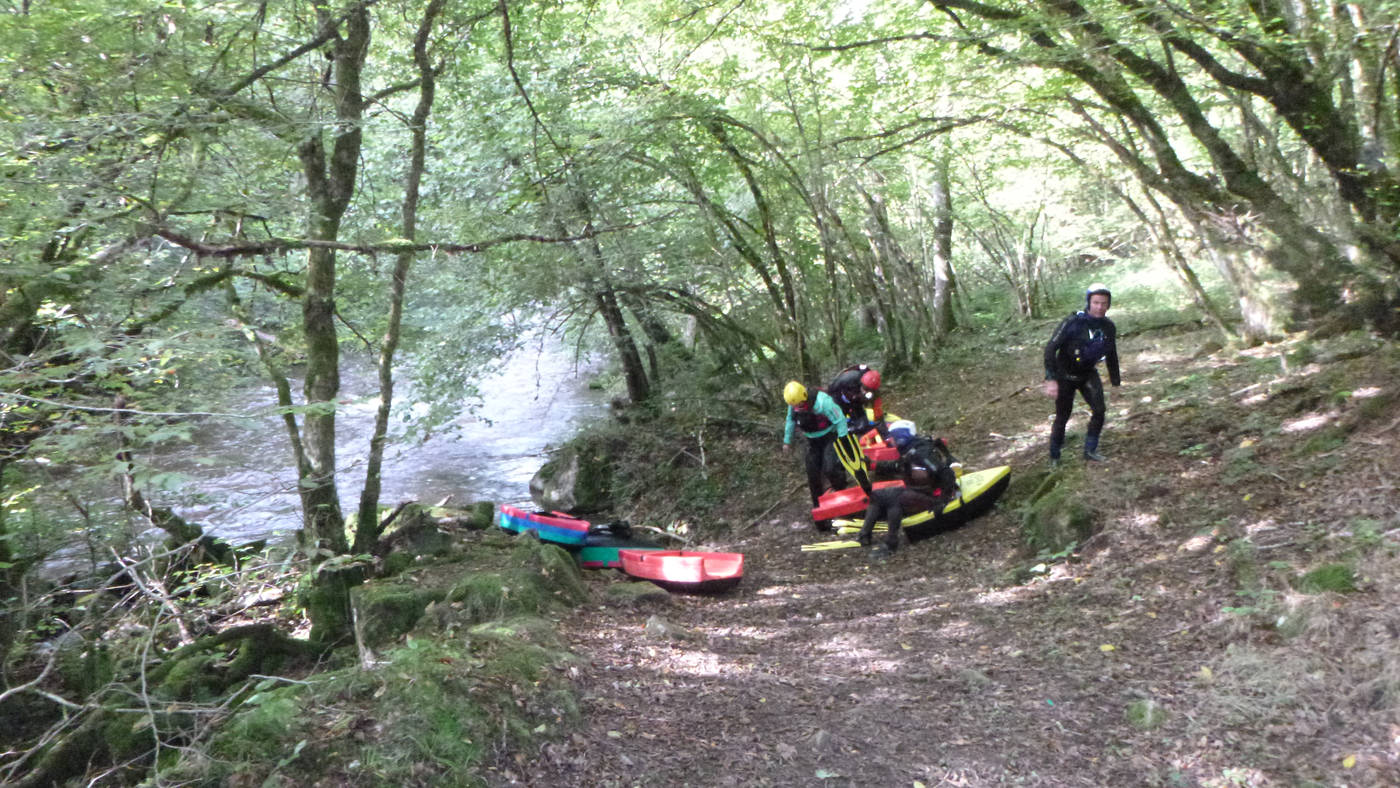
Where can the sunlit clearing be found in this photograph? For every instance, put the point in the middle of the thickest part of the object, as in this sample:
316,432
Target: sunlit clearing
1310,422
1366,393
1255,399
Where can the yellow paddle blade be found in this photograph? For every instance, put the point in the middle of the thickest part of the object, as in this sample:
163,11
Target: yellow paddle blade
821,546
855,529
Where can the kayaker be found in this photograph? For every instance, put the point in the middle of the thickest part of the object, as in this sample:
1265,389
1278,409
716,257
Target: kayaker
1071,365
927,468
854,389
830,445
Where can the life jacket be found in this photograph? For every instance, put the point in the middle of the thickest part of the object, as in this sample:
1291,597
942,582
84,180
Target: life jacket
1086,344
926,469
810,420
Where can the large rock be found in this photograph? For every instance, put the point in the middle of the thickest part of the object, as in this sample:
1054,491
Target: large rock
575,480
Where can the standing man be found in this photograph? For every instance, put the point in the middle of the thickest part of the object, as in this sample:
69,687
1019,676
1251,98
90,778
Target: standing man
854,389
829,442
1071,364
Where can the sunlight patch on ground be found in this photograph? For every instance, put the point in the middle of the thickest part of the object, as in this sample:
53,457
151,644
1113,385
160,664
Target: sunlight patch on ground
703,664
1309,422
1366,393
778,591
1196,544
1261,526
849,646
1203,470
1143,521
1005,596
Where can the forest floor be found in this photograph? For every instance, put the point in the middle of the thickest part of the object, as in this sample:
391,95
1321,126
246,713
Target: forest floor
1181,644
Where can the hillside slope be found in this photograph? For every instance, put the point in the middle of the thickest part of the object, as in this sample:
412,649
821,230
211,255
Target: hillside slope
1203,635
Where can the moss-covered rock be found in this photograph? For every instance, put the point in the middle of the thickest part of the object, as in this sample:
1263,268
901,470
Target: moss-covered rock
195,677
640,596
1056,521
554,565
577,479
385,612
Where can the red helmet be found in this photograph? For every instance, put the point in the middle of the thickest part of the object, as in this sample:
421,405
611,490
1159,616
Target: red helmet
871,379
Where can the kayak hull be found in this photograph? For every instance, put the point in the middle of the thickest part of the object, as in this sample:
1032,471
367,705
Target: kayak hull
978,493
692,572
839,503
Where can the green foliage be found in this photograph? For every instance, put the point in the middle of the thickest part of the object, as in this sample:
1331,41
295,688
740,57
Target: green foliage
1320,442
1146,714
1334,578
425,715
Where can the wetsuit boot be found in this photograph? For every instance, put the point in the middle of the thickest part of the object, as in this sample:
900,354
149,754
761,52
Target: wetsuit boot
1091,449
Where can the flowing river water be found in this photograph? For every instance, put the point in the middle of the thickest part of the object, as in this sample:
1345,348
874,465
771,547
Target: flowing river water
240,483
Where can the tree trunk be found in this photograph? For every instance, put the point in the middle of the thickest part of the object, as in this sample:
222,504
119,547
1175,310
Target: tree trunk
330,186
941,206
367,525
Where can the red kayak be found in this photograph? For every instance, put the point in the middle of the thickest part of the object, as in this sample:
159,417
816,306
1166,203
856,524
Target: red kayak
839,503
675,570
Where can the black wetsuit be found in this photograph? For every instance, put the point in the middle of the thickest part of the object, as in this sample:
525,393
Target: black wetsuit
831,448
929,481
1071,358
853,399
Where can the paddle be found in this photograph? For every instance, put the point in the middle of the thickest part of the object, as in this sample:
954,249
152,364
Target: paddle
820,546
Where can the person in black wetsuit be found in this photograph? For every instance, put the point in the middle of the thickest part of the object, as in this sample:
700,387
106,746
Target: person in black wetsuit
830,445
854,389
926,466
1071,365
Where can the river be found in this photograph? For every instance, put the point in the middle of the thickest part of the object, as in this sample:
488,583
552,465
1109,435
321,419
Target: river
240,483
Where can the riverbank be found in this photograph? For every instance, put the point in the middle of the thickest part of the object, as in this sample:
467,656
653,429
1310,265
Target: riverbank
1229,618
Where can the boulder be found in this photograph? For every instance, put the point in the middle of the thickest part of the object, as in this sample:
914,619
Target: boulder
576,479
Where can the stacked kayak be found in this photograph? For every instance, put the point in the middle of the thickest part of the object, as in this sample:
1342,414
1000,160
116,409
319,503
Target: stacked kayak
676,570
556,527
977,493
605,541
613,546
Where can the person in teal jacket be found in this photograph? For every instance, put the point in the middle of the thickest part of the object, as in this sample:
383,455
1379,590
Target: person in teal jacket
831,446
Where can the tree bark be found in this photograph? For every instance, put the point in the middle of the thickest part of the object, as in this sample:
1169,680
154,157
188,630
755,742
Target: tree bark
941,207
330,186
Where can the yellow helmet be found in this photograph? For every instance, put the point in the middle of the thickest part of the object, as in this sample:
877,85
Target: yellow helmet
794,393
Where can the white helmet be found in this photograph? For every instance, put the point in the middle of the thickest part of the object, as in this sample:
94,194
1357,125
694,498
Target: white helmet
902,432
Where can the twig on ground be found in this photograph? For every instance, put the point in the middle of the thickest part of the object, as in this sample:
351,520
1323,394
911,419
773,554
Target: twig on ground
770,509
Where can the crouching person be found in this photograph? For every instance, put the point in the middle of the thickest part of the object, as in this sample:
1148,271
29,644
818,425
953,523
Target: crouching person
926,466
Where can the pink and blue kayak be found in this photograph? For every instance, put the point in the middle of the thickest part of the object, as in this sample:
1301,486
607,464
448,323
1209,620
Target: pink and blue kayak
556,527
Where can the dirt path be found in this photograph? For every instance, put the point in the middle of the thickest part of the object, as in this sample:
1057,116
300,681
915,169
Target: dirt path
961,661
